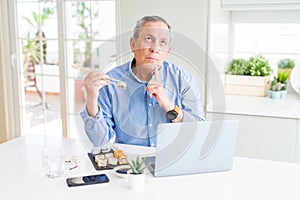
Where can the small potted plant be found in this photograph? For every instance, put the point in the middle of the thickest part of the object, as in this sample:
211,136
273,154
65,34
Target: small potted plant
248,77
136,174
278,86
238,66
286,65
259,66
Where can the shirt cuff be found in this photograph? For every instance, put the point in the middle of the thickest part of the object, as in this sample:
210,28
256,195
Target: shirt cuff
89,120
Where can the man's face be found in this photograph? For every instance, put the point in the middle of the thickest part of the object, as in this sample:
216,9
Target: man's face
152,45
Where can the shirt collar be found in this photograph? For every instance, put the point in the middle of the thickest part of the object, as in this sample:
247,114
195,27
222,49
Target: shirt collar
133,61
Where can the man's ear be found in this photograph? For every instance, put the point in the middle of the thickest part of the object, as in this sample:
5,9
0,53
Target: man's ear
132,44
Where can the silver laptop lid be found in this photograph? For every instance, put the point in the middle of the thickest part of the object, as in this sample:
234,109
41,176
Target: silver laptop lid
195,147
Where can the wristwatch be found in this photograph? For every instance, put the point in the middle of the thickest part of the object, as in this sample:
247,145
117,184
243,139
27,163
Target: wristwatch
172,114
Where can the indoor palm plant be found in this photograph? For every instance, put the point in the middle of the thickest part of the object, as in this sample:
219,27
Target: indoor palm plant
37,21
136,174
84,15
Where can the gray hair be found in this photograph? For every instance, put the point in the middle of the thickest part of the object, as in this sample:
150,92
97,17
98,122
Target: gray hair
140,23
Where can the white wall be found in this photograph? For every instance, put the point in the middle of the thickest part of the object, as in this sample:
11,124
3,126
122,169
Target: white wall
189,23
186,17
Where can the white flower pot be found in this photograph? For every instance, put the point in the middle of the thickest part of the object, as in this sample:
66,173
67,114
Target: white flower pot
136,181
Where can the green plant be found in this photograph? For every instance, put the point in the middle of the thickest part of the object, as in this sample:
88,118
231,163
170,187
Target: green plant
37,21
138,165
279,83
286,63
277,86
259,66
84,15
238,66
282,77
255,66
29,50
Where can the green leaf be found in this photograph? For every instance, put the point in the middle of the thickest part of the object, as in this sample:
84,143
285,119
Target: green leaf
137,165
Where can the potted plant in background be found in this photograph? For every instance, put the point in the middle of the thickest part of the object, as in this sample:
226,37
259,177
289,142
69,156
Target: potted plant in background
278,86
37,21
136,176
248,77
31,47
30,54
84,15
286,65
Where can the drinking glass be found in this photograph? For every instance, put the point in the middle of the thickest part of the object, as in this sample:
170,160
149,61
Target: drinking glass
53,162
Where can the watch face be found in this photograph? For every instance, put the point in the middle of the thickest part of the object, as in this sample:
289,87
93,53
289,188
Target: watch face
171,115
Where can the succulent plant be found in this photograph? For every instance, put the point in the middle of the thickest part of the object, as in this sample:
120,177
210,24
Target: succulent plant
138,165
238,66
282,77
259,66
255,66
286,63
277,85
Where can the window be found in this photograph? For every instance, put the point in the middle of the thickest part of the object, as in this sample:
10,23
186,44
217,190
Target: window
245,33
272,34
53,35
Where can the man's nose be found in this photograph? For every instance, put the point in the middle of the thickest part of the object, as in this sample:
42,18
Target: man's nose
154,49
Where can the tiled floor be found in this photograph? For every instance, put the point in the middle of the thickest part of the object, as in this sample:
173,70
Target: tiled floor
39,119
42,119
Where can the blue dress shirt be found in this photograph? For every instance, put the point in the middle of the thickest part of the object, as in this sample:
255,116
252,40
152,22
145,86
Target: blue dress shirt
130,116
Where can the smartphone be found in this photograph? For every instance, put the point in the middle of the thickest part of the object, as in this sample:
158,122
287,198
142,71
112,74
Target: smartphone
87,180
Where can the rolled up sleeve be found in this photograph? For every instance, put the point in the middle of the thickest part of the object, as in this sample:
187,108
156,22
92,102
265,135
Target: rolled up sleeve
95,128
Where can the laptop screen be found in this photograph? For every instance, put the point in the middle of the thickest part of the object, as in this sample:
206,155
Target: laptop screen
194,147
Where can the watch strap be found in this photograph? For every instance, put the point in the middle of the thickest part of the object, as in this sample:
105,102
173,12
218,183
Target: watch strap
176,109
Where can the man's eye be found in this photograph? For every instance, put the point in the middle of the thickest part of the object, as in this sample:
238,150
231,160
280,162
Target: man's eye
149,39
164,43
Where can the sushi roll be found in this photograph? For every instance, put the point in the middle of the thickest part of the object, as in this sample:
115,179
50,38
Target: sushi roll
96,151
122,158
102,163
109,155
99,158
112,161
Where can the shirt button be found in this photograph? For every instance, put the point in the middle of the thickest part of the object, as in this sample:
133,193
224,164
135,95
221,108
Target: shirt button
150,104
150,125
152,145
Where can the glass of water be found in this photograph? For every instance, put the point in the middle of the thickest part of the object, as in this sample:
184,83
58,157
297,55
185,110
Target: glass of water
53,162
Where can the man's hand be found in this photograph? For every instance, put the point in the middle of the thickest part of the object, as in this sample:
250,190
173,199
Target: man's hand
93,82
157,91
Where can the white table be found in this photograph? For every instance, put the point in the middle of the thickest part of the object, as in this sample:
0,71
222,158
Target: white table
21,177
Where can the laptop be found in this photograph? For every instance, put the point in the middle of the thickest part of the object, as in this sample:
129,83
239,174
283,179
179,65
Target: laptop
193,148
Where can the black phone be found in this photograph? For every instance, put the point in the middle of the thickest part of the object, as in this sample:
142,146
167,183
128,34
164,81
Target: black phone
87,180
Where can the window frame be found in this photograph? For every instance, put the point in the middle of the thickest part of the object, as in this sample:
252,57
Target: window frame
12,76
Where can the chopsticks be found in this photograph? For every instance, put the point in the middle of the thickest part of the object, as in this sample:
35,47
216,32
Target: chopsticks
113,81
117,82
